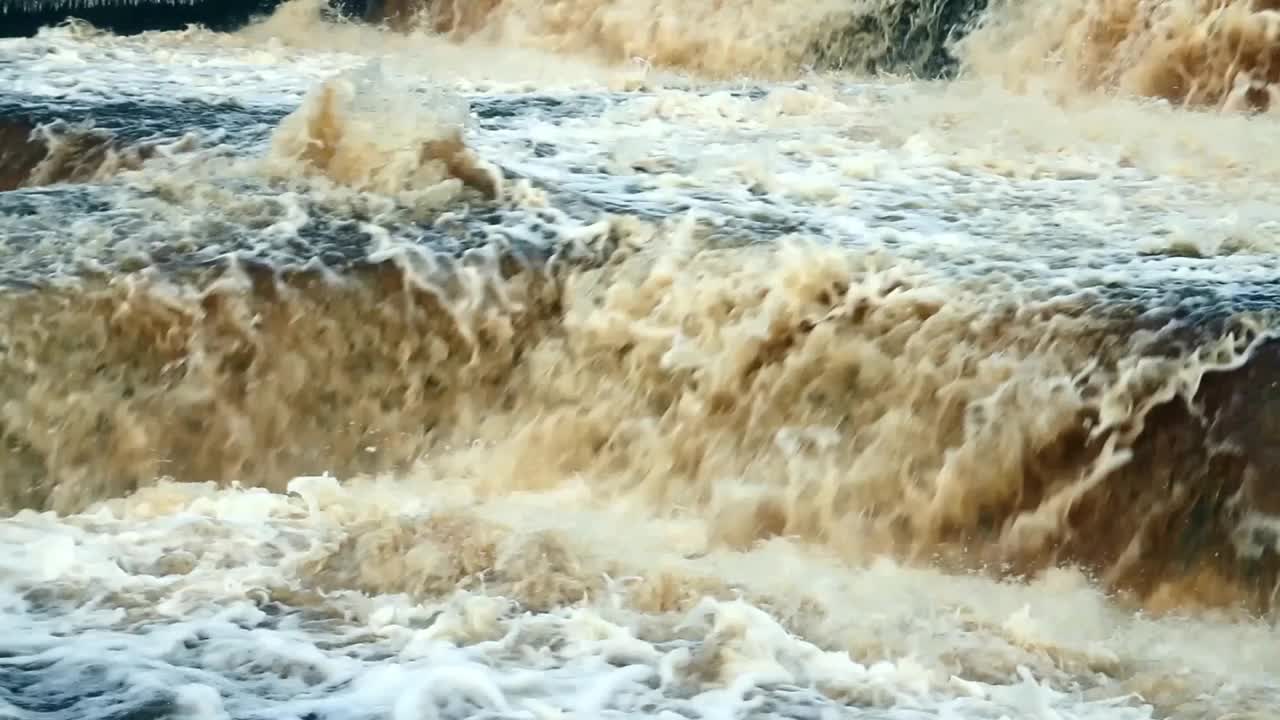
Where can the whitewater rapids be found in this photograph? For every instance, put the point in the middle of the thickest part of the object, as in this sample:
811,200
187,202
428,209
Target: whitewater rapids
584,360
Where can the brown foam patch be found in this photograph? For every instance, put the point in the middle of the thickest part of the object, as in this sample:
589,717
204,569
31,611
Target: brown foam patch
109,386
334,135
1206,53
711,37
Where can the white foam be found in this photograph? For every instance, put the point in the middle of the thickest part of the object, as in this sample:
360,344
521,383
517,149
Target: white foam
203,638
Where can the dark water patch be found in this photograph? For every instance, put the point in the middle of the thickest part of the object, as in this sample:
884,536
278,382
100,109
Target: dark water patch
118,229
81,677
504,111
141,685
90,691
23,18
1210,304
71,230
148,118
131,120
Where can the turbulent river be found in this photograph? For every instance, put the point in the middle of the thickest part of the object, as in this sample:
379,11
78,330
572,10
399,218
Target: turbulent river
589,359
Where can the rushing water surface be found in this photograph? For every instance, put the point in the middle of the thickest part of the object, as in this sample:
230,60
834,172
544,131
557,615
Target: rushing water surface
594,359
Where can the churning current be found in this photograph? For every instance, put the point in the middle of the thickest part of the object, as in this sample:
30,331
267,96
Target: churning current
587,359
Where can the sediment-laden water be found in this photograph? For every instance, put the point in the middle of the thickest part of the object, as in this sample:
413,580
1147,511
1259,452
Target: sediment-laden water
601,359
